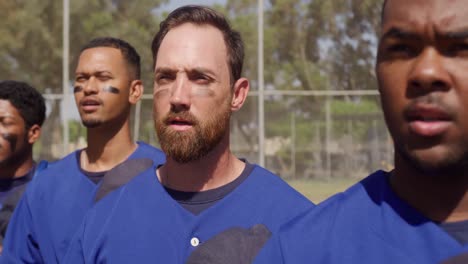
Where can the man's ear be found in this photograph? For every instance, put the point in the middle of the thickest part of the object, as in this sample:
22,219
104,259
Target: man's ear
136,91
241,88
34,133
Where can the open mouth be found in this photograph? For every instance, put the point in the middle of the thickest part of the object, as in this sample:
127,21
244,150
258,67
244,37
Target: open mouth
428,121
89,105
179,123
428,115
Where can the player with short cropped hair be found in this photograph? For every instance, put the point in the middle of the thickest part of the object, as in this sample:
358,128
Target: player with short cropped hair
418,212
204,203
106,86
22,113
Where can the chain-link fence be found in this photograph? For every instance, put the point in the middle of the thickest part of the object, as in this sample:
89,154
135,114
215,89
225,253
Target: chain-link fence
312,62
307,135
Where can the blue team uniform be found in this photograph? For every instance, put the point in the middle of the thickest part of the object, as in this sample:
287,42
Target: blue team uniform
141,223
11,191
14,186
52,209
367,223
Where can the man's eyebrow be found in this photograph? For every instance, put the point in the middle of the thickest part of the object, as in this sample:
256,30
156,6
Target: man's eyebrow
201,70
198,70
162,70
80,73
102,72
458,34
399,34
85,73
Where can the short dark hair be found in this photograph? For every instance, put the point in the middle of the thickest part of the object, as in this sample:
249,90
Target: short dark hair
201,15
26,99
128,51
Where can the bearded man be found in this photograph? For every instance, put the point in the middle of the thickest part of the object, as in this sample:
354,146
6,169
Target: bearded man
204,202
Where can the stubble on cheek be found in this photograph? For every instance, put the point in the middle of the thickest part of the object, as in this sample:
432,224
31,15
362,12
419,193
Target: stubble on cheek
11,139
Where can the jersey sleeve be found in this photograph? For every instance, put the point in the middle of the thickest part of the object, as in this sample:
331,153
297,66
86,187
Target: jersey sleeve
20,244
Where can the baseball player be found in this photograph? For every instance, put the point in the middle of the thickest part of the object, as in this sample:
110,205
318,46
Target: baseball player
22,113
107,84
418,212
204,203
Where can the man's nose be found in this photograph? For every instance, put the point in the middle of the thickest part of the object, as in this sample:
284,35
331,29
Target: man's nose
429,73
91,86
180,99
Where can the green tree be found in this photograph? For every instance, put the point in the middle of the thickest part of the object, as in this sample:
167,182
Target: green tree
31,43
310,45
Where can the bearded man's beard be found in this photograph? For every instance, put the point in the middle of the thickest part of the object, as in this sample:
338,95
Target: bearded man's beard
192,145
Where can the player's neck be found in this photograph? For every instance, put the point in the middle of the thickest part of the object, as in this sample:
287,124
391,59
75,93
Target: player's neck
107,147
16,170
216,169
441,198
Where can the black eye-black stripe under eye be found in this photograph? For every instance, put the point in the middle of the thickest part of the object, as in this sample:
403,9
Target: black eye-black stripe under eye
111,89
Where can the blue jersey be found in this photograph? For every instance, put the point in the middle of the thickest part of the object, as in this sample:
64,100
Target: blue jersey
141,223
52,209
14,186
367,223
10,194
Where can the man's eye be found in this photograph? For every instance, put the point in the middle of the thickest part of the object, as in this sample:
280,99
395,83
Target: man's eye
201,79
104,78
163,78
80,79
459,49
399,48
6,122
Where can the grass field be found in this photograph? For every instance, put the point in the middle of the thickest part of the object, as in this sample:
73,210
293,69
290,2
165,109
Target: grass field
319,190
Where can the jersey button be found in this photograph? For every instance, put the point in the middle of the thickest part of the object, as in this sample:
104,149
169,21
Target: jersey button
194,242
